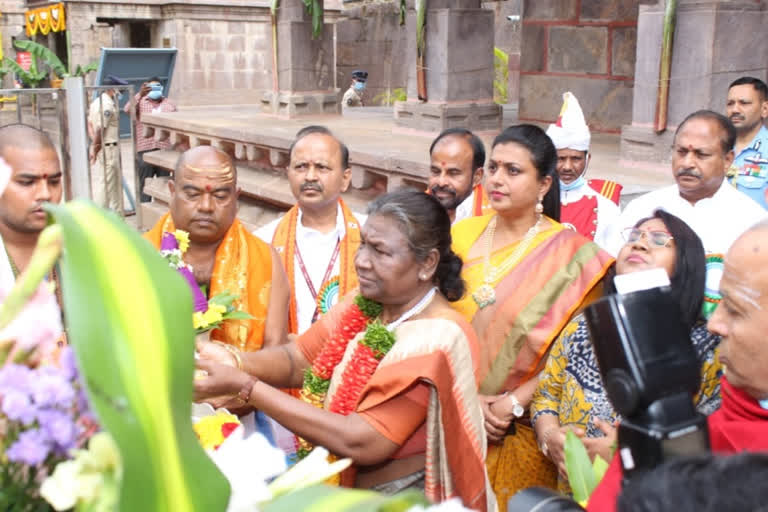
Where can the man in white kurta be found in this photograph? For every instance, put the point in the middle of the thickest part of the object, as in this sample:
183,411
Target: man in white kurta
583,208
318,237
702,197
319,247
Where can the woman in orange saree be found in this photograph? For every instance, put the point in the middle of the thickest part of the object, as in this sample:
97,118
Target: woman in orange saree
526,275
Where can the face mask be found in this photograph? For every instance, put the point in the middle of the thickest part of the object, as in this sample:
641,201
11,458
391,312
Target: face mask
118,95
155,95
359,86
764,404
581,180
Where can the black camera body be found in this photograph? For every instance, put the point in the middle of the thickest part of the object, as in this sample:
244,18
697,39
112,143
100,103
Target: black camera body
651,373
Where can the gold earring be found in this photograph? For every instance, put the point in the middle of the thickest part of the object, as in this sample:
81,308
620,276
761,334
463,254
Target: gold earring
539,207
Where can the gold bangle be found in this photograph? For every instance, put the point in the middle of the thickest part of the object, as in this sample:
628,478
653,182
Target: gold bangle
235,353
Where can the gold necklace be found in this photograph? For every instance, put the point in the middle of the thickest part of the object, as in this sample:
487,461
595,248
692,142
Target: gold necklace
485,295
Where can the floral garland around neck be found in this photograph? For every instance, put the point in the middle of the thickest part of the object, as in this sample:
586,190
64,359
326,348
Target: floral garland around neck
208,314
370,349
358,316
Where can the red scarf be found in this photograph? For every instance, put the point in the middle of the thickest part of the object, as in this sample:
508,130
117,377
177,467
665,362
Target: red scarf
740,424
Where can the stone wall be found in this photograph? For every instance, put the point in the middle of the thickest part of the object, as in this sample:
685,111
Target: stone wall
370,37
220,61
583,46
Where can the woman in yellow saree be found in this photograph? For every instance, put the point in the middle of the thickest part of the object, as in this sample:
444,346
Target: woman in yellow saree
526,275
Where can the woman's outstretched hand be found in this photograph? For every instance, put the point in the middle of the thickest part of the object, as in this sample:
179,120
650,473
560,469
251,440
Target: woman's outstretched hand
221,384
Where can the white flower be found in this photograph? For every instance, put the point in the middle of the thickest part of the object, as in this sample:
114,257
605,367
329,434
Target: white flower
236,458
311,470
453,505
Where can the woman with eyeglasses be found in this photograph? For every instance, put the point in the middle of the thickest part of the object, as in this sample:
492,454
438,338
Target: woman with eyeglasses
570,394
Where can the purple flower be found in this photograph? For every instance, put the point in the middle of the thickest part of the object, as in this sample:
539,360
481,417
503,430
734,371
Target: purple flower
60,427
201,304
18,407
68,363
50,388
31,448
168,242
16,377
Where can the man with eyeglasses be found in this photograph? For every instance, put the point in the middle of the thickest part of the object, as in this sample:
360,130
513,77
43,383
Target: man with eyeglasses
701,154
318,237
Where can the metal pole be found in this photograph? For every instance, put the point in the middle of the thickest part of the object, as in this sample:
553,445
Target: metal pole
78,138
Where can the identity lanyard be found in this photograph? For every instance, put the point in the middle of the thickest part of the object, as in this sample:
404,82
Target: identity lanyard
308,280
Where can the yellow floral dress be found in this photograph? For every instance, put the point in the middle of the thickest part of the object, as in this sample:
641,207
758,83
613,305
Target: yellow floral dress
570,387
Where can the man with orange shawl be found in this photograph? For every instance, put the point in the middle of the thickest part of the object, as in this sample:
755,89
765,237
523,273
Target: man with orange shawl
741,423
457,157
223,255
526,276
318,237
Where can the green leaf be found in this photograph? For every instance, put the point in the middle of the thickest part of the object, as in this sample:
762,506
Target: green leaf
238,315
44,54
579,468
128,315
370,308
378,338
599,467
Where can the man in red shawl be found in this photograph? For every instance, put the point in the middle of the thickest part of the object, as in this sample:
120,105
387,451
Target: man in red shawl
741,319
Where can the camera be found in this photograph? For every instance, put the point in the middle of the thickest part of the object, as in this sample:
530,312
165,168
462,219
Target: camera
651,373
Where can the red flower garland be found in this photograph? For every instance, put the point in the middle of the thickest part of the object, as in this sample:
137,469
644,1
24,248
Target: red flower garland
365,359
317,379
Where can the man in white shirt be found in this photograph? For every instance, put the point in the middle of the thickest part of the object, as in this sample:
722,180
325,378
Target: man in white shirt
457,158
702,197
582,207
318,237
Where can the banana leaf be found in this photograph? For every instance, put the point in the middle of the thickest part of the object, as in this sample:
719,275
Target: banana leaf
129,320
44,54
322,498
580,473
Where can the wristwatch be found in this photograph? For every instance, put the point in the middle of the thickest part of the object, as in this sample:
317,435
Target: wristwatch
517,409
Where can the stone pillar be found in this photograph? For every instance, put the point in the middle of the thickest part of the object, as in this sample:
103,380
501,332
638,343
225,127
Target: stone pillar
305,66
459,70
715,43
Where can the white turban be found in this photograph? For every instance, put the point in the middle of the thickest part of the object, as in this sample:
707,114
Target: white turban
570,131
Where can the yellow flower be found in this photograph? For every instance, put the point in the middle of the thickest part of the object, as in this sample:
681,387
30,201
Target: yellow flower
209,429
183,238
198,321
212,315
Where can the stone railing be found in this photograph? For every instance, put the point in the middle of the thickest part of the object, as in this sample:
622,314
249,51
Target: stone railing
380,160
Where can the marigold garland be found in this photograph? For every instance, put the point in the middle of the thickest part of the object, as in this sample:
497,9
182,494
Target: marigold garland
356,317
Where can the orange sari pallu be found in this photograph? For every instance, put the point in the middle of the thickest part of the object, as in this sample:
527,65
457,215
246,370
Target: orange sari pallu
441,352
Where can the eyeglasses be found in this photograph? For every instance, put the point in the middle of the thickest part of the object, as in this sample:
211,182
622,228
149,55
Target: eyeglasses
655,238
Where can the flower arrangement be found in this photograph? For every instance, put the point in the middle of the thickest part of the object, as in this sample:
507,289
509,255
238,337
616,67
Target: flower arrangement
45,415
90,481
213,427
208,314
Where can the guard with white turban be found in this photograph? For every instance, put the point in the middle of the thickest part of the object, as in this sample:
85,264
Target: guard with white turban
587,206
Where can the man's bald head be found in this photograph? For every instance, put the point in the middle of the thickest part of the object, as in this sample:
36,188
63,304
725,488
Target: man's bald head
741,319
25,137
204,194
206,159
